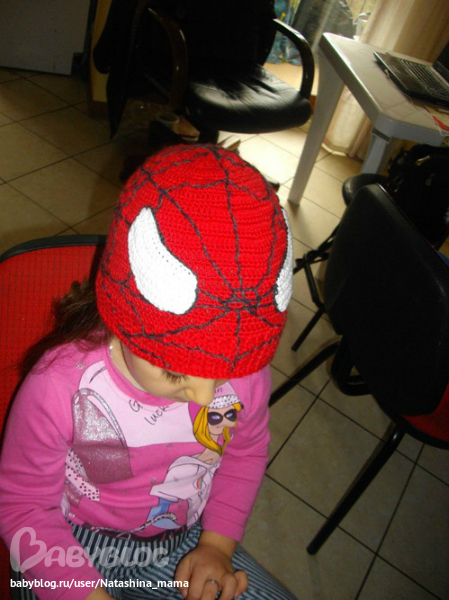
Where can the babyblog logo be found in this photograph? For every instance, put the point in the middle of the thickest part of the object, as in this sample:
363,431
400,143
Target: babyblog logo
76,556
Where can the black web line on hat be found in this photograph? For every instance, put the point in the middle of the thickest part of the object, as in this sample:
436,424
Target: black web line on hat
130,338
194,326
277,214
147,177
159,337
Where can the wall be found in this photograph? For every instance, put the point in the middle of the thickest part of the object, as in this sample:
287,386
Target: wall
42,35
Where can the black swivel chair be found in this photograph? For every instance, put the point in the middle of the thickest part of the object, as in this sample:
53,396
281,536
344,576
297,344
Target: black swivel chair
203,59
320,254
418,179
390,303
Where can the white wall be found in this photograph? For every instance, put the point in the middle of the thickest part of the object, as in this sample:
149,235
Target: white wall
42,35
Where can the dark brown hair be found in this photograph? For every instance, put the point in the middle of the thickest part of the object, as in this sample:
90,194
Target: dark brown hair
76,319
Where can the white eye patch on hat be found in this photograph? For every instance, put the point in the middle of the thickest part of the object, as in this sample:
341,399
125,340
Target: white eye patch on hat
167,283
160,277
284,282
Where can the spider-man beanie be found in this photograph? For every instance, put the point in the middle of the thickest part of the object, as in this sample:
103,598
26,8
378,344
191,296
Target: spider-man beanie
196,275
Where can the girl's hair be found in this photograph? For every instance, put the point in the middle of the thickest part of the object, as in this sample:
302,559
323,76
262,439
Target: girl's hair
76,319
202,433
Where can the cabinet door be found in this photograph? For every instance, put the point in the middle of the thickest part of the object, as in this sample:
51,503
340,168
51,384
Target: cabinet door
44,35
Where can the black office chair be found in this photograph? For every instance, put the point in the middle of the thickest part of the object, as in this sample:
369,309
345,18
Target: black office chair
320,254
418,180
386,291
203,59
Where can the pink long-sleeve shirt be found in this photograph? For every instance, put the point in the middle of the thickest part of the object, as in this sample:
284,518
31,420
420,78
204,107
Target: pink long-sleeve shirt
84,445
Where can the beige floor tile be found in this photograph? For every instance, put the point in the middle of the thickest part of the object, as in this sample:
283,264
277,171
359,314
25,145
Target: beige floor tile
362,409
325,190
436,461
386,583
68,231
4,120
69,191
101,116
284,191
365,411
69,129
369,518
7,75
310,223
108,160
417,541
287,362
279,530
24,73
292,74
23,152
21,99
287,412
289,73
226,135
22,220
340,167
272,161
291,140
70,89
321,460
99,223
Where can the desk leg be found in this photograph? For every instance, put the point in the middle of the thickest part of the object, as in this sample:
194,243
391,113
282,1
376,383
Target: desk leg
380,149
329,91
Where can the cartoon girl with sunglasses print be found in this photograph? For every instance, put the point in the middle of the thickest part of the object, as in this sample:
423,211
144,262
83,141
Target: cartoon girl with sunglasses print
190,477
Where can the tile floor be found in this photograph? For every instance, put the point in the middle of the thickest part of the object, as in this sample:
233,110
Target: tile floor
59,174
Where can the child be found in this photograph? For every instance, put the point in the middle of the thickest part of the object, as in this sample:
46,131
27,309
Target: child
141,432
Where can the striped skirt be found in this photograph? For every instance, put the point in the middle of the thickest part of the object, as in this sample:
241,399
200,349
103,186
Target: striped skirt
145,570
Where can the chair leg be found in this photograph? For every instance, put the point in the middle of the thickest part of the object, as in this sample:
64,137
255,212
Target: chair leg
308,328
310,258
305,370
320,254
315,297
362,481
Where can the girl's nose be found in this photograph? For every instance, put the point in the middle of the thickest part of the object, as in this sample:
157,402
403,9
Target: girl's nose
200,390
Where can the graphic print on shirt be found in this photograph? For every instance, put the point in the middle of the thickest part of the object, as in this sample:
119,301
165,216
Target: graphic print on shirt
190,477
108,425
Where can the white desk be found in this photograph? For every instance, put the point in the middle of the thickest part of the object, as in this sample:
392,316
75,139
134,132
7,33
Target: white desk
346,62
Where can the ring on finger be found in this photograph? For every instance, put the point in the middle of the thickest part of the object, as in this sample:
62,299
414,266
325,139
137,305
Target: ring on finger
217,583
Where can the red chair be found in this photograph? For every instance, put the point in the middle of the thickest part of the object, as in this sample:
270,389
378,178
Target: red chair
32,276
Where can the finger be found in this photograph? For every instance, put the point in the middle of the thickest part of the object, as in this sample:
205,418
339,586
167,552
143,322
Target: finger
242,582
203,588
184,569
229,587
183,573
210,590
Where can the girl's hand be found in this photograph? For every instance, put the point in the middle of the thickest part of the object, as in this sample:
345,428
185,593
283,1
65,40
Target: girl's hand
209,570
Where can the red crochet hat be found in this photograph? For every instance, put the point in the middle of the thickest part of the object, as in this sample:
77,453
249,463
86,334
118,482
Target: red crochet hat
196,275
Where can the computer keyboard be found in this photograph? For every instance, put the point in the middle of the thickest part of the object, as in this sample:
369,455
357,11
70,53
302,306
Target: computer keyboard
428,79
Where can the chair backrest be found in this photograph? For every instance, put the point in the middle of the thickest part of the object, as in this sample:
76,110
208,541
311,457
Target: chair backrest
32,276
387,292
